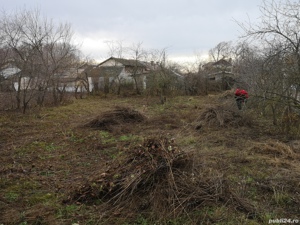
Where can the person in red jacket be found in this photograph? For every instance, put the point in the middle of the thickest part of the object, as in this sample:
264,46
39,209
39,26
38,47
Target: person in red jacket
241,97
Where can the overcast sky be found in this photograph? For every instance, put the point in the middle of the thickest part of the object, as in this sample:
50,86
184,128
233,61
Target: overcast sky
186,28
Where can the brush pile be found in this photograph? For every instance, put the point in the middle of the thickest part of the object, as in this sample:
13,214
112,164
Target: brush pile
273,148
155,177
120,116
229,94
220,116
140,166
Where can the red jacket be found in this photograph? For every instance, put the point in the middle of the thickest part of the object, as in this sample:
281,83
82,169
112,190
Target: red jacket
241,93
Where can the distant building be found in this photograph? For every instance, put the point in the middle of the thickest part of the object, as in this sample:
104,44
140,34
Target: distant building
10,75
219,70
113,72
107,75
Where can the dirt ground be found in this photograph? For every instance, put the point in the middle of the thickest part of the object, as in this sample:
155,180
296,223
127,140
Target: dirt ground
192,160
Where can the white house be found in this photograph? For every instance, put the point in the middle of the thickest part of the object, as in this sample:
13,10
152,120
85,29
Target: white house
13,78
118,70
10,73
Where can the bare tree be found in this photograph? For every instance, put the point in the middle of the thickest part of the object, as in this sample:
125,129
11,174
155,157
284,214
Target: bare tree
116,48
195,79
4,59
279,29
41,50
84,67
277,34
138,54
165,78
221,50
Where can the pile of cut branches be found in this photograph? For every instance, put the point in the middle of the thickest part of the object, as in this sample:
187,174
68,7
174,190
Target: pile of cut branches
157,178
220,116
139,167
121,115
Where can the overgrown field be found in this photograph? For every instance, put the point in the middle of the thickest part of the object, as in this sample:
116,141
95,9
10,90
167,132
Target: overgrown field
192,160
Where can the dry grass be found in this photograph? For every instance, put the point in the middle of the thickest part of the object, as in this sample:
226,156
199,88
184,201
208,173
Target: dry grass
147,166
274,148
216,116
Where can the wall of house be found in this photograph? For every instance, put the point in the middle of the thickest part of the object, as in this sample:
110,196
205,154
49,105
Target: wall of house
24,84
100,82
123,75
91,84
70,87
